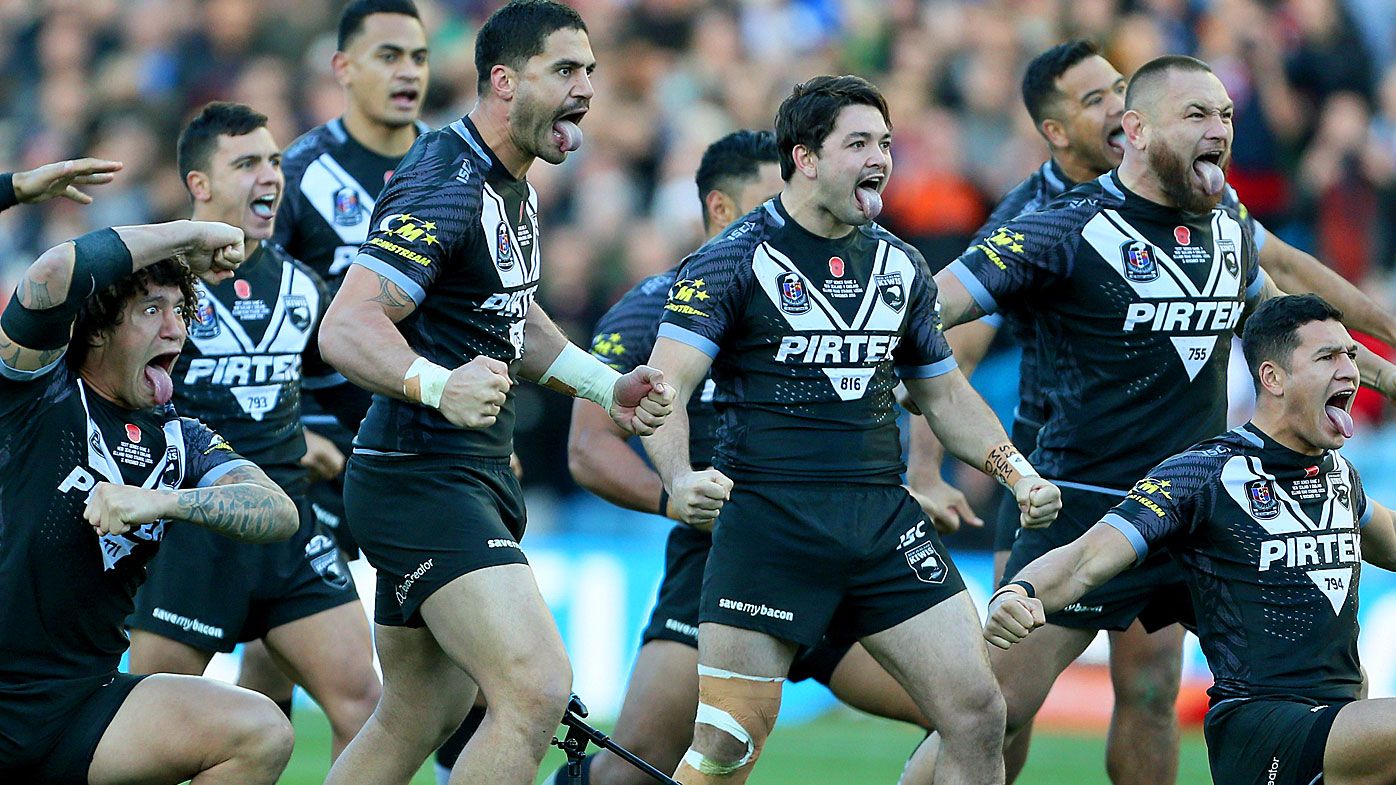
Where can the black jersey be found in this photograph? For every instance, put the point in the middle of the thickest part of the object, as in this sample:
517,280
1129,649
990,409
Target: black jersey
808,336
332,186
623,340
459,234
241,368
1134,307
1033,194
1271,544
67,591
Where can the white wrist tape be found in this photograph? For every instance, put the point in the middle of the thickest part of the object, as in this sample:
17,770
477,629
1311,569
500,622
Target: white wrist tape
1021,465
583,376
425,381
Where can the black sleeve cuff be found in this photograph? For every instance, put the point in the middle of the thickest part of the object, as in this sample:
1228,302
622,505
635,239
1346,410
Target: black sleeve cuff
7,191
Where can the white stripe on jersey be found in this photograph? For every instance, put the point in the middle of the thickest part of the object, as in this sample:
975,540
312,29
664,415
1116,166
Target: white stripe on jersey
322,179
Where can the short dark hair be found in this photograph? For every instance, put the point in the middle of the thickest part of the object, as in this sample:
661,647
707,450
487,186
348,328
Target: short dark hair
104,310
807,116
351,20
1150,73
1040,91
517,32
1272,332
733,161
199,138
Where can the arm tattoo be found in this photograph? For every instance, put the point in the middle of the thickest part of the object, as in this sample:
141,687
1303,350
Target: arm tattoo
391,295
34,294
240,506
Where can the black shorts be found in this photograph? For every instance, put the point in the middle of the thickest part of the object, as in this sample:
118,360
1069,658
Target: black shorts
799,560
425,520
1269,741
212,592
1007,516
327,505
50,731
675,615
1155,592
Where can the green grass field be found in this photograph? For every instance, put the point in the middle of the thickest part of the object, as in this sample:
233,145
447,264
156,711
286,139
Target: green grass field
841,748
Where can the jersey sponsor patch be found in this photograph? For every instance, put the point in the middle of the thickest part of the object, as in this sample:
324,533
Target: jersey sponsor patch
1261,494
503,248
891,289
348,207
687,296
1139,263
793,297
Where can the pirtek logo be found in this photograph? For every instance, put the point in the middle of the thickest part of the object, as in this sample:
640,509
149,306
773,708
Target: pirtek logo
1183,316
241,369
836,349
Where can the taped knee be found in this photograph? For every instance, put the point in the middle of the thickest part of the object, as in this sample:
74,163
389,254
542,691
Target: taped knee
743,707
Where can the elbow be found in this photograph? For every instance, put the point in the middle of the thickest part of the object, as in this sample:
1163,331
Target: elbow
581,462
332,337
287,519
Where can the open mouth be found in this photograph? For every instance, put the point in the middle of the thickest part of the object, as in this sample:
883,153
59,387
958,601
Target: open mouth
566,130
264,206
405,97
1116,140
1208,169
1338,408
869,196
157,375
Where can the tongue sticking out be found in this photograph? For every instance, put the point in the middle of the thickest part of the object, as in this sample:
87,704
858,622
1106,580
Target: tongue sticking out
159,378
1211,175
1341,420
569,135
869,202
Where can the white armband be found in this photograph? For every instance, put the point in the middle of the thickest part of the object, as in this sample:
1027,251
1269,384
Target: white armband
576,373
424,382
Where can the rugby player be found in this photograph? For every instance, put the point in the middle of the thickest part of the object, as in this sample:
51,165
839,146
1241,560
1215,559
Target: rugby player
95,469
334,174
51,181
1270,524
242,375
1094,272
737,173
1076,99
803,310
450,271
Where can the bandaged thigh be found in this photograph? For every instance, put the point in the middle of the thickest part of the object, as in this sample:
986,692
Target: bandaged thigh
744,707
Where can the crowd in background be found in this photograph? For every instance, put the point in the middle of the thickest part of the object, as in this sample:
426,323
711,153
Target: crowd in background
1314,83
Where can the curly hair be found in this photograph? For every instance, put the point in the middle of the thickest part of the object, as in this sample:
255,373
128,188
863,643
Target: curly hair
105,310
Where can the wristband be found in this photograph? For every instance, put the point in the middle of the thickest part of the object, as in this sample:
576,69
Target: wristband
1024,585
1005,459
663,502
8,197
100,259
424,382
580,375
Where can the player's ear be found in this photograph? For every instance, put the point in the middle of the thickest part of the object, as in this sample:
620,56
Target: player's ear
1272,378
503,81
1055,133
721,209
339,65
199,187
806,160
1135,132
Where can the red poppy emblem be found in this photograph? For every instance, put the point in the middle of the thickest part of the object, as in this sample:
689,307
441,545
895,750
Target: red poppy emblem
836,266
242,288
1183,235
133,433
